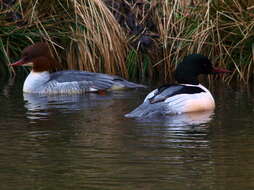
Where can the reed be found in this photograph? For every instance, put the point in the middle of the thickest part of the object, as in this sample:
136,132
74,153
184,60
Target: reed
138,39
84,34
100,43
234,31
222,30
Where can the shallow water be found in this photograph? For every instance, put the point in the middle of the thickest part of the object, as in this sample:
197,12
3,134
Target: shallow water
84,142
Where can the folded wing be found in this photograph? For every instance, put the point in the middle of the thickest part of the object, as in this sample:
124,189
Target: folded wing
167,91
93,80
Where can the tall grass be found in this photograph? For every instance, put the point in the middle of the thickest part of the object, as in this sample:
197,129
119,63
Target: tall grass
84,34
100,41
222,30
234,31
137,39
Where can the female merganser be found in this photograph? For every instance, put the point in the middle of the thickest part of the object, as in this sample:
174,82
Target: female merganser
41,81
187,96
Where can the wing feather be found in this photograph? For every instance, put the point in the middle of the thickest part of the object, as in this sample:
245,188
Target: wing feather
168,91
94,80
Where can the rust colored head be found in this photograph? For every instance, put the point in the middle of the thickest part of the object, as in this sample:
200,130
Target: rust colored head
38,56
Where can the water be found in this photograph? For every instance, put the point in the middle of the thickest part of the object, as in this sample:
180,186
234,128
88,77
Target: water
84,142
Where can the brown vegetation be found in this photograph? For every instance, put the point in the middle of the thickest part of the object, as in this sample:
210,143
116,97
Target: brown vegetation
139,38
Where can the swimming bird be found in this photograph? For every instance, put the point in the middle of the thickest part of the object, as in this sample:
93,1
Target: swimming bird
42,81
188,95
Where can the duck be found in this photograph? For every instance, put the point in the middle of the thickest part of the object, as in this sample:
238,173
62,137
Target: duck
185,96
42,81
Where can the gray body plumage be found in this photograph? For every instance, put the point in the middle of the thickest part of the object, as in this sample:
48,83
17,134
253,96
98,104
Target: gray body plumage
74,82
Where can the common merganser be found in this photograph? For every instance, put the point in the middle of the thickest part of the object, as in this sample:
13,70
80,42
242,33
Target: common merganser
186,96
42,81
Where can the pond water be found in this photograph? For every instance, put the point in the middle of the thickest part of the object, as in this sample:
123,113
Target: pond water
84,142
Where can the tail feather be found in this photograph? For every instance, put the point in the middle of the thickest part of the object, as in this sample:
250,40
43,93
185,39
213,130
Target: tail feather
144,110
122,84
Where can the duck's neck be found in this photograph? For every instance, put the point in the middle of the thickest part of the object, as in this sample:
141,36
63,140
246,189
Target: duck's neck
186,77
35,81
192,80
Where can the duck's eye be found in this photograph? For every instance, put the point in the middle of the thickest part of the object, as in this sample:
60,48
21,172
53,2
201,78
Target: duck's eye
25,58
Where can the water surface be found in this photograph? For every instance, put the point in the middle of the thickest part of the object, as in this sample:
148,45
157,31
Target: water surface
84,142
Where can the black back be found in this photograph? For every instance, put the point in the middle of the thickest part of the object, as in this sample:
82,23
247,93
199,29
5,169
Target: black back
167,91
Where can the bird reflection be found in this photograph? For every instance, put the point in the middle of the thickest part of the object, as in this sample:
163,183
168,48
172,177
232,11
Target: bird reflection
41,106
179,120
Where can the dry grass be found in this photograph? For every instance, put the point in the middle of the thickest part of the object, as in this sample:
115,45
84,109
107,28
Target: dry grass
234,30
122,37
99,45
84,34
219,29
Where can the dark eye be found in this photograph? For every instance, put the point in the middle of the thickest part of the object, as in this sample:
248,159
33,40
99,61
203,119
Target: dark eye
25,58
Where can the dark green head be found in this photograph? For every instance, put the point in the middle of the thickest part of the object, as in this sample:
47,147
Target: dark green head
192,66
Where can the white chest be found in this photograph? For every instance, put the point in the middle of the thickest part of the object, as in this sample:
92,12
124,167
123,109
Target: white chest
35,82
191,102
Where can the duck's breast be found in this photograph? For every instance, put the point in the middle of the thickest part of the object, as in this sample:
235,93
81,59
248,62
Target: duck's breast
35,82
183,103
187,98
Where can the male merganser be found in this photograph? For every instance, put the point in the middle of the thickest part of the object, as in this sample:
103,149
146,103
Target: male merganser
187,96
41,81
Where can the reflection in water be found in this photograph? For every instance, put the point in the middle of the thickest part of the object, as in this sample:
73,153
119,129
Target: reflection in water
5,87
179,120
40,106
35,102
183,131
84,142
